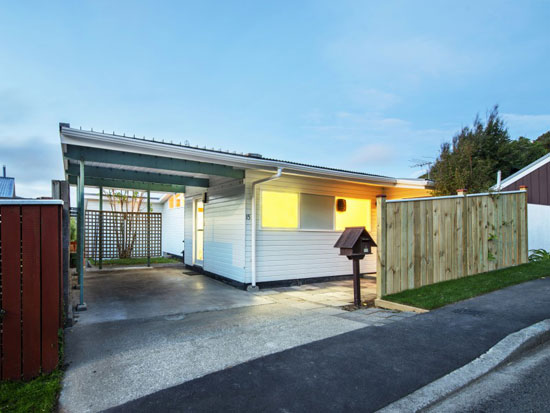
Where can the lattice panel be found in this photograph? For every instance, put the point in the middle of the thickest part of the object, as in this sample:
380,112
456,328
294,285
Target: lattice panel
124,233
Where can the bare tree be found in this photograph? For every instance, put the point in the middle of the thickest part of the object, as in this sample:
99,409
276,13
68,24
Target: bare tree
125,202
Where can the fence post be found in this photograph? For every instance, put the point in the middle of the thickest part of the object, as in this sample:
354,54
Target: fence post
524,242
61,190
462,214
81,238
381,250
100,227
148,228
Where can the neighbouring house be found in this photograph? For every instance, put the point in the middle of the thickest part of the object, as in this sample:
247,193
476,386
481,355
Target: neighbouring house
7,185
170,206
173,215
536,177
247,219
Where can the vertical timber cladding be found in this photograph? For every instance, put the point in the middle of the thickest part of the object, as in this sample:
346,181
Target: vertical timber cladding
31,288
430,240
122,230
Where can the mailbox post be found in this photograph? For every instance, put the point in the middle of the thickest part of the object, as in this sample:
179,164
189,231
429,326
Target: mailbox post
355,243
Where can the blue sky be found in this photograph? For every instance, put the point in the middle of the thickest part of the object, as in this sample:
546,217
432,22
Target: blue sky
352,84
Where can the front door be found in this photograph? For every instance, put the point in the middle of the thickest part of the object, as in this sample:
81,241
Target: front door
199,233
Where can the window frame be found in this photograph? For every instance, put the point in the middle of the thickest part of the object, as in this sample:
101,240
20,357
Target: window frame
299,229
261,214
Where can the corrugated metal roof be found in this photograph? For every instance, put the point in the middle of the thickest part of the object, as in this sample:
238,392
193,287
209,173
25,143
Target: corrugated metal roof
234,153
232,157
7,187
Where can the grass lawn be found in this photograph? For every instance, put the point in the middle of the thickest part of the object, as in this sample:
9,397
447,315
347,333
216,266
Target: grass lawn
447,292
136,261
38,395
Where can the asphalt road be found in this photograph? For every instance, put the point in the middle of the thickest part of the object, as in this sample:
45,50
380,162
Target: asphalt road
363,370
521,386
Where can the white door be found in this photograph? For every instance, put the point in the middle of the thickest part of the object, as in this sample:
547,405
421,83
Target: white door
199,233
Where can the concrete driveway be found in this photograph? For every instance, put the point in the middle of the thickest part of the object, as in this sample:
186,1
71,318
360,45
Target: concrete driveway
150,329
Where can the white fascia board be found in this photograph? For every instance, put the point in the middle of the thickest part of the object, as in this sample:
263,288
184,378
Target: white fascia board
70,136
523,172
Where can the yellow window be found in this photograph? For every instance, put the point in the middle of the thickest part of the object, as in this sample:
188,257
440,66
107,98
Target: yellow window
171,202
279,209
357,214
178,200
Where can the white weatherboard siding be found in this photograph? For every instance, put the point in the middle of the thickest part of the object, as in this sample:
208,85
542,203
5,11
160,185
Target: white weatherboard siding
224,226
293,254
280,254
188,231
224,233
538,226
172,229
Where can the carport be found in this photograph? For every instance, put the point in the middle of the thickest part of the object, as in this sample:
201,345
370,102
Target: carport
120,164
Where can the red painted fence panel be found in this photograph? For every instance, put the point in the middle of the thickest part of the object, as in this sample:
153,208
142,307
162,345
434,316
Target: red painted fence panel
50,287
31,289
11,292
31,285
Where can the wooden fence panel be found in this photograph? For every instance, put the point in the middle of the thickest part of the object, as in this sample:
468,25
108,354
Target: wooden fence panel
430,240
50,286
30,287
30,252
11,292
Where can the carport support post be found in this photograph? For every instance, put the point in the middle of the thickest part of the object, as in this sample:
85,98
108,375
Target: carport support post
356,283
148,228
100,227
81,306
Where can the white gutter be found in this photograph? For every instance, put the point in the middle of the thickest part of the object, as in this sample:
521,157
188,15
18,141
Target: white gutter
18,201
253,286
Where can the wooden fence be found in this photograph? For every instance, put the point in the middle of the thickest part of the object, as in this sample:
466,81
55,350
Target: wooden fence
121,230
31,287
428,240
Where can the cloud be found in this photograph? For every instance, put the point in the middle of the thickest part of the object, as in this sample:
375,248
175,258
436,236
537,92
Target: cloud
406,61
530,126
373,154
374,143
33,162
13,108
374,99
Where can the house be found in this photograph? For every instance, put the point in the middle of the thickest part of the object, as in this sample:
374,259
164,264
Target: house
173,224
169,205
536,177
249,219
7,185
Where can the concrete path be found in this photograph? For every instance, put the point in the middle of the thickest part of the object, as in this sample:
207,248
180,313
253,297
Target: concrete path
149,330
365,369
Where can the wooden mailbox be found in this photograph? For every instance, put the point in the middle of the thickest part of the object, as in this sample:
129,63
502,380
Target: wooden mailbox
355,243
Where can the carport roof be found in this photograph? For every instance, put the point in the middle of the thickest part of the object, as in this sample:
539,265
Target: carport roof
112,160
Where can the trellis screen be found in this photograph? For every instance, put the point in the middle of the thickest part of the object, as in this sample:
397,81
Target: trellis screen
124,234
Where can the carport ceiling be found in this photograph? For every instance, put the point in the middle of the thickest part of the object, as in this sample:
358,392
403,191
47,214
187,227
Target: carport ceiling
119,169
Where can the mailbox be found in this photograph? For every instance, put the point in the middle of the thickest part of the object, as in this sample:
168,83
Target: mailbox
355,242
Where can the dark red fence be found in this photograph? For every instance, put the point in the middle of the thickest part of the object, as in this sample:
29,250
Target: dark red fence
31,288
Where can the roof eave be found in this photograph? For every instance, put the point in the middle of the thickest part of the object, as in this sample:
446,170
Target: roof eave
71,136
543,160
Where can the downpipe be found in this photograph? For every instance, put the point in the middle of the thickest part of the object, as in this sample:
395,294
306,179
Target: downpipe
253,286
